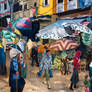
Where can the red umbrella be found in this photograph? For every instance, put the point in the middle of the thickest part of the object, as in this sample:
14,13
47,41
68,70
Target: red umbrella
63,44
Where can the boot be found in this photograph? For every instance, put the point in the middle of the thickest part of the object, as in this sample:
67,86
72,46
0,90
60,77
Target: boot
71,86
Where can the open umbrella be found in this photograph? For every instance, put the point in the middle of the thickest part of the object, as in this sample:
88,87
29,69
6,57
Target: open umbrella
52,33
63,44
78,27
24,24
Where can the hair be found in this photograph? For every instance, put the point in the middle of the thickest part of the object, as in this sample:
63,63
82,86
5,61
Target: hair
47,51
45,47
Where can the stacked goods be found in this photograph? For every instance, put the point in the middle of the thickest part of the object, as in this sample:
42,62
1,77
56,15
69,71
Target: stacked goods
9,36
57,63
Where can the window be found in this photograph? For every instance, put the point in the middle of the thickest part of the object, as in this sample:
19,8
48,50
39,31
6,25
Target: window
25,7
35,4
46,3
5,6
60,1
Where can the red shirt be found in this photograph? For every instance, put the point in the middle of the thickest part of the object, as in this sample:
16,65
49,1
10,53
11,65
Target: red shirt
76,63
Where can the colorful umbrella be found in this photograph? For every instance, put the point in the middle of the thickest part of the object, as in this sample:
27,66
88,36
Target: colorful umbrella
63,44
24,24
14,22
79,27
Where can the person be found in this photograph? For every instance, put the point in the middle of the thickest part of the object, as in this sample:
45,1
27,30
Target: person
46,64
90,75
16,81
75,77
86,83
3,70
34,56
41,70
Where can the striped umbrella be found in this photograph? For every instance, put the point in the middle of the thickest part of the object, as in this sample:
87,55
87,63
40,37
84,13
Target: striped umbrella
63,44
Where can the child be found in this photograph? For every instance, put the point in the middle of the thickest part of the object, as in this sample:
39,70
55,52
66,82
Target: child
86,83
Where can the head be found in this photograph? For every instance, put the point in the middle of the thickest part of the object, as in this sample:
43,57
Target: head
48,52
45,47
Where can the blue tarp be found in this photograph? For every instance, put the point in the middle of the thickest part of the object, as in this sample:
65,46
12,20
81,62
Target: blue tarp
85,3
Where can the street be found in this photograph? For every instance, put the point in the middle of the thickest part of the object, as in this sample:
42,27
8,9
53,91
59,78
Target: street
59,83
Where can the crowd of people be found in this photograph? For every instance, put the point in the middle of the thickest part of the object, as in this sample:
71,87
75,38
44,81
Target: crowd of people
18,66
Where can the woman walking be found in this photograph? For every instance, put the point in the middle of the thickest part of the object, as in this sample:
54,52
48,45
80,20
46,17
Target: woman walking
3,70
16,81
75,77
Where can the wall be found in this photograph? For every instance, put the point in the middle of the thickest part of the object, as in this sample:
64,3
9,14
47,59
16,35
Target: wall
4,12
45,10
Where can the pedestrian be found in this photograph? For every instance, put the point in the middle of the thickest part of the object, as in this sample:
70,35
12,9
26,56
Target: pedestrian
3,70
46,64
86,83
75,77
16,81
34,56
41,70
90,75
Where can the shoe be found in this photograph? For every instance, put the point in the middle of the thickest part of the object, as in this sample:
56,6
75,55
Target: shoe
75,86
39,74
71,88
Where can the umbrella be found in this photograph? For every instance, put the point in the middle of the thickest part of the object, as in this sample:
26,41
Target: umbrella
52,33
24,24
78,27
63,44
56,30
15,22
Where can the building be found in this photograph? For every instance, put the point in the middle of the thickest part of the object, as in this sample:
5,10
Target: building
25,8
5,12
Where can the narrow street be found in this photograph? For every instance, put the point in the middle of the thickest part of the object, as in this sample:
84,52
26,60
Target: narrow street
59,83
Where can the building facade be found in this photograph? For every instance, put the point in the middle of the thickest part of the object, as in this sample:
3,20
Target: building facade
25,8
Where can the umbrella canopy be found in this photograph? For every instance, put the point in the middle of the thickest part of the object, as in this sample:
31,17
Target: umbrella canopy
56,30
78,27
63,44
52,33
24,24
15,22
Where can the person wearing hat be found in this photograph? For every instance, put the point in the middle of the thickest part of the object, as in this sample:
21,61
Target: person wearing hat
75,77
16,81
